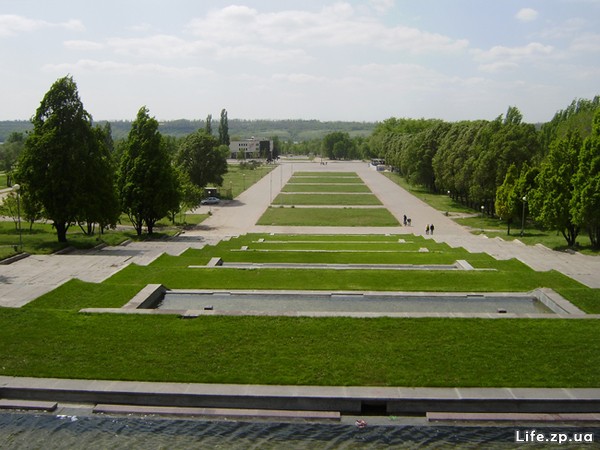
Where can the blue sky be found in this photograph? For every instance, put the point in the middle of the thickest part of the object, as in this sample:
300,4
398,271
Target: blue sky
361,60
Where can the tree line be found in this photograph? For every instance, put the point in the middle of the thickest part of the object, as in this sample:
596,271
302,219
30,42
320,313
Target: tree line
506,167
70,171
73,172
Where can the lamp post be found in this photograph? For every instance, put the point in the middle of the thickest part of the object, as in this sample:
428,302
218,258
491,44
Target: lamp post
523,216
16,188
482,209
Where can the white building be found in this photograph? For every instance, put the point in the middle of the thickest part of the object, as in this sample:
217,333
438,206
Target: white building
251,148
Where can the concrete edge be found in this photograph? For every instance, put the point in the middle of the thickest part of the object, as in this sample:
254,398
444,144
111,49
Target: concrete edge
217,412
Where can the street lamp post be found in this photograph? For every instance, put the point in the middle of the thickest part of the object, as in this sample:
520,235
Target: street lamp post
523,216
16,188
482,209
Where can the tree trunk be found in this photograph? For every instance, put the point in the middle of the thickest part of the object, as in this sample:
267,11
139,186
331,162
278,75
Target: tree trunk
61,231
570,234
594,232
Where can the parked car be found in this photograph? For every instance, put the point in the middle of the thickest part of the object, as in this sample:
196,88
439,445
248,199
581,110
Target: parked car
210,201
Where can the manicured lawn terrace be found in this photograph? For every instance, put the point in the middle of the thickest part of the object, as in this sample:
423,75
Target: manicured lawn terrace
330,188
49,338
328,217
327,199
349,216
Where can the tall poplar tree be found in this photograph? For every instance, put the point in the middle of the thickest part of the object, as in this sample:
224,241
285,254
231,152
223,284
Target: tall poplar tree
224,129
208,124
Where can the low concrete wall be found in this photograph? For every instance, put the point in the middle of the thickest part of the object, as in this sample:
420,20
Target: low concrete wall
148,297
346,400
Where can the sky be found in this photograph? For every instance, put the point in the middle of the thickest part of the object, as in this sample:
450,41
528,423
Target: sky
348,60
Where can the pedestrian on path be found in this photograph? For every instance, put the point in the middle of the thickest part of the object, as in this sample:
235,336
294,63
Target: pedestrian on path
431,228
427,229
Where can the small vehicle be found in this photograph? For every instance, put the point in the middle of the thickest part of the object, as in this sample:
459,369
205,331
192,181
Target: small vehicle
210,201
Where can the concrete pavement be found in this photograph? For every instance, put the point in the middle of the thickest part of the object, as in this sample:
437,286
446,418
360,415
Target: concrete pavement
31,277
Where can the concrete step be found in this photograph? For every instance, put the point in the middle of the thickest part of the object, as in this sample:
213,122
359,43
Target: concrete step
27,405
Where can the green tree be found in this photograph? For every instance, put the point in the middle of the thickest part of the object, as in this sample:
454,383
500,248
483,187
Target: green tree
9,154
585,203
507,205
147,183
224,128
551,201
202,159
102,205
51,167
337,145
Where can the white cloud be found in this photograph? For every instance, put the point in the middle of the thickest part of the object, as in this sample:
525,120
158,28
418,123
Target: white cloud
501,58
157,46
94,66
336,25
527,15
498,66
11,25
569,28
515,53
382,6
262,54
299,78
82,45
587,43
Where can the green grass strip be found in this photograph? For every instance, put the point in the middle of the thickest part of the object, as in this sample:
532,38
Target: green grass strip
327,174
335,217
327,199
297,187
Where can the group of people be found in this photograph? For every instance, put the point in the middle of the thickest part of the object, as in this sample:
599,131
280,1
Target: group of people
428,229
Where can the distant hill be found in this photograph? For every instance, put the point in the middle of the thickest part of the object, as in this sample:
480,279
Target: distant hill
286,130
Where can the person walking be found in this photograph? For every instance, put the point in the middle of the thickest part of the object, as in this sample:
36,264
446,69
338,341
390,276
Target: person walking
431,228
427,229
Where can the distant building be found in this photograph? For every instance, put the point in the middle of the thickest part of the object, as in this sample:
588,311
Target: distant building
251,148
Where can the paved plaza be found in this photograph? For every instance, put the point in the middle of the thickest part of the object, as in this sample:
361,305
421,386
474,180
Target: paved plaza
27,279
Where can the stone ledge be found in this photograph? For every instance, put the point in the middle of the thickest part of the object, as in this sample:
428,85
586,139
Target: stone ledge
512,417
217,412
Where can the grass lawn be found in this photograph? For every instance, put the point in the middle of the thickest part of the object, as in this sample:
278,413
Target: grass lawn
437,201
324,179
493,227
335,217
305,351
327,174
237,180
48,338
327,199
297,187
41,239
